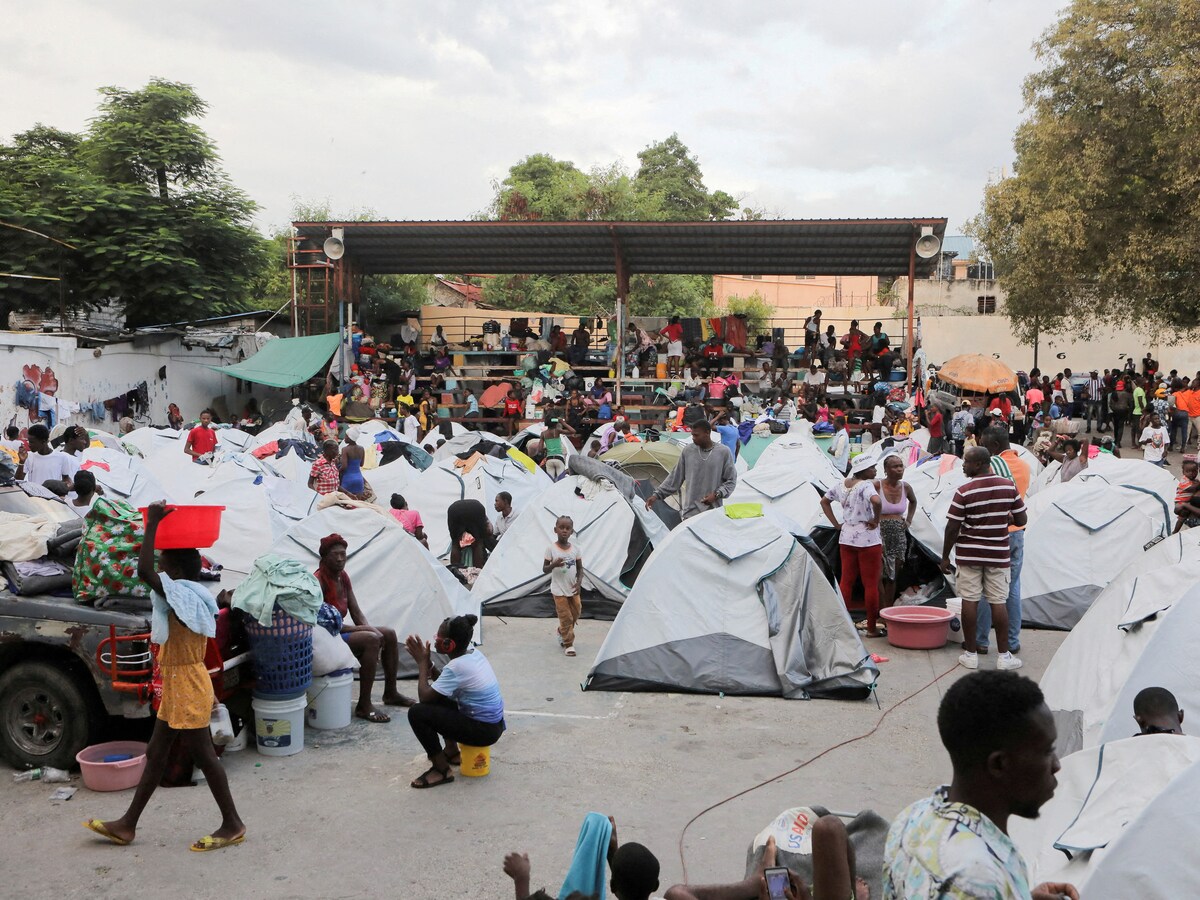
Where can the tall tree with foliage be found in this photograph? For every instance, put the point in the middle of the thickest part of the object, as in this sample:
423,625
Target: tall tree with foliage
157,224
671,175
1100,222
667,187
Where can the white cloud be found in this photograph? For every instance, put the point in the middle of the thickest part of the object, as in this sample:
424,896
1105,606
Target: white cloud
412,109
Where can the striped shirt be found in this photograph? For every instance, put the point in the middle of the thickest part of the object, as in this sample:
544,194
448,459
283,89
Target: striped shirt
1000,467
983,505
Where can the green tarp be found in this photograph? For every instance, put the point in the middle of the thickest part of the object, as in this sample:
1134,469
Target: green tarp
284,362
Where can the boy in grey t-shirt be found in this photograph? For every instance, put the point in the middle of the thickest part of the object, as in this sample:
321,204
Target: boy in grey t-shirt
564,564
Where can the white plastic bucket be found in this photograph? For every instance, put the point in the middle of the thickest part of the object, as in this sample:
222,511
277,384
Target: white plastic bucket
954,605
279,724
329,701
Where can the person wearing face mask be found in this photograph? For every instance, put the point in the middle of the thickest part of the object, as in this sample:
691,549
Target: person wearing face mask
462,704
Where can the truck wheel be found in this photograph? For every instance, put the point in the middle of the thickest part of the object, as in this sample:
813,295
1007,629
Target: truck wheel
45,717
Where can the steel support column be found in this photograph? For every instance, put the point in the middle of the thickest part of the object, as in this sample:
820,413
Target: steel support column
622,299
912,276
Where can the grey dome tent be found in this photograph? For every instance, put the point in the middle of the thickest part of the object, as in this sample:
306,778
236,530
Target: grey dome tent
1080,536
734,606
614,530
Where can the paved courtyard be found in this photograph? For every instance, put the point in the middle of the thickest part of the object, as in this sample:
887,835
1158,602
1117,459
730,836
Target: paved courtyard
339,819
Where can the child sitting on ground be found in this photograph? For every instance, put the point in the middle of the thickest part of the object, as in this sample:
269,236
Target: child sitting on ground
183,618
564,564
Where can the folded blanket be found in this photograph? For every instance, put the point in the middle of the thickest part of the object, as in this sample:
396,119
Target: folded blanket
192,604
276,580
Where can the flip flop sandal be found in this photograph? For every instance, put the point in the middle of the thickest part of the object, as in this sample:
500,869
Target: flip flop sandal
374,716
97,826
208,842
423,781
455,760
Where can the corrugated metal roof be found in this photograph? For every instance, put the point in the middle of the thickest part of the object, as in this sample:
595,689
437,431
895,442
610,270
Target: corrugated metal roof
960,245
793,247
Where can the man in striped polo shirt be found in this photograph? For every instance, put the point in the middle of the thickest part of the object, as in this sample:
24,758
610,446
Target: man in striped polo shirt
977,534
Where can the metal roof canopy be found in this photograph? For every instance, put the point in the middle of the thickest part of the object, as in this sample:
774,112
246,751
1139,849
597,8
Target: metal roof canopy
786,247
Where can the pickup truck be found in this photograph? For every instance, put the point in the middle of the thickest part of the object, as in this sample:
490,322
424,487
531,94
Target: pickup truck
57,686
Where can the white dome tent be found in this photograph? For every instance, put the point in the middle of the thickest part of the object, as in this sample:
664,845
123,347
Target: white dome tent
1126,641
614,530
399,584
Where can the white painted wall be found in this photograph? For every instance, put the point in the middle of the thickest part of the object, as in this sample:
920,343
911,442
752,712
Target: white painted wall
83,376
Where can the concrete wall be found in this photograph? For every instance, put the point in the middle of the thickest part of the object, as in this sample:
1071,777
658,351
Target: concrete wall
83,376
790,293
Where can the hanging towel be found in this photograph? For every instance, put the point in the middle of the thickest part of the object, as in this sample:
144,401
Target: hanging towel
276,580
192,604
588,867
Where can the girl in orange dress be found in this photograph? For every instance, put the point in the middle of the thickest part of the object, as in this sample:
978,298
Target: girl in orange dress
183,620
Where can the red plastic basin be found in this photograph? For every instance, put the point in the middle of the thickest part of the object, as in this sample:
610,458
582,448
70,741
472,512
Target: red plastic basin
188,527
112,776
917,627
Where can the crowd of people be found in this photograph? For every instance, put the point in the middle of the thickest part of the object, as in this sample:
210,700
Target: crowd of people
994,725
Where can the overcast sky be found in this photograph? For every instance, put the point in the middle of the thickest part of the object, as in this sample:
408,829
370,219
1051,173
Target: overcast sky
861,108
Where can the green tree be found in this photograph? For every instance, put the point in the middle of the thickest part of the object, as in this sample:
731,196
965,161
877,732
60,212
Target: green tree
1100,222
667,187
671,174
155,222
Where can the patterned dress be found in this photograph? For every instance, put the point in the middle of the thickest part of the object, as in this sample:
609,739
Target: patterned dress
187,694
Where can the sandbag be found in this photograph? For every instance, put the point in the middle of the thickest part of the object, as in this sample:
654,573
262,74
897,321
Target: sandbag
792,830
107,559
330,654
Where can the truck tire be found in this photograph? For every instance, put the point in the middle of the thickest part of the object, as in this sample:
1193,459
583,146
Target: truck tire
46,717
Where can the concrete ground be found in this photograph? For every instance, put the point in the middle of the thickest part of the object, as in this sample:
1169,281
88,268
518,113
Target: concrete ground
339,819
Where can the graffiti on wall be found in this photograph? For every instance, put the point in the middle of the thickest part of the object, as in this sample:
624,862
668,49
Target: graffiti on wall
31,386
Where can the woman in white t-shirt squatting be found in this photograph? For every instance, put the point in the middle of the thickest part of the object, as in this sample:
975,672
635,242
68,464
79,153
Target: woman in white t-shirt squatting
463,704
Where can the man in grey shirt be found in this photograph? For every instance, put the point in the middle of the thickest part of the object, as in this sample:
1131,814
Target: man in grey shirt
705,471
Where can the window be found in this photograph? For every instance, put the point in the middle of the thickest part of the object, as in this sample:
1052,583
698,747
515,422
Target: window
987,304
806,277
752,277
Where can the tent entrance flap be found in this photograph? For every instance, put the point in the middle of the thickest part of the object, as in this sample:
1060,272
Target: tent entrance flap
284,362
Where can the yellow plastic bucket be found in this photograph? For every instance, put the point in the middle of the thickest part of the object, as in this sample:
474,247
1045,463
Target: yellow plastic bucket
476,761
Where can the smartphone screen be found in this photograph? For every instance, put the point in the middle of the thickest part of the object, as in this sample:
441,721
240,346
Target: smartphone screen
777,883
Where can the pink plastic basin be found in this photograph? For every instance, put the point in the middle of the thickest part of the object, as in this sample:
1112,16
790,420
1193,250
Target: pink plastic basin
917,627
188,527
112,776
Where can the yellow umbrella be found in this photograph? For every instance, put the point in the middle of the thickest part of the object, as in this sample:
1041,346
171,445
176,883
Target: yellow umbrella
976,372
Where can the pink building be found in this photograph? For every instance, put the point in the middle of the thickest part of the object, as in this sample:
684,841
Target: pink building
798,295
